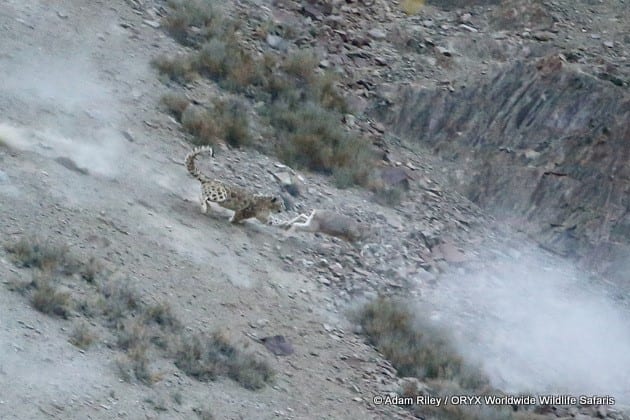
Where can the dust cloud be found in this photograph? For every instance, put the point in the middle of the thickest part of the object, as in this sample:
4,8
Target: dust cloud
536,325
71,112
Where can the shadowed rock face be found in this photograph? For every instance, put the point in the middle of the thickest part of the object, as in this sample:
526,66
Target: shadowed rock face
541,144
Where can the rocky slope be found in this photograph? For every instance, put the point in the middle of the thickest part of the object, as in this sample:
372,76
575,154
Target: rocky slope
88,158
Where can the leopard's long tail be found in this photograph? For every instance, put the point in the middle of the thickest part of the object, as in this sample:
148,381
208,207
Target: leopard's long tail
190,162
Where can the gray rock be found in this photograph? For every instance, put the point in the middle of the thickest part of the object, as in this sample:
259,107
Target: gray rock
276,42
377,34
543,36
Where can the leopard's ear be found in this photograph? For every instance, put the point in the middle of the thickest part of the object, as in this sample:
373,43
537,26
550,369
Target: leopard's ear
274,199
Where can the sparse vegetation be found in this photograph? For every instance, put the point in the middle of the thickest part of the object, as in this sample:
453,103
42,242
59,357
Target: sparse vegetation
46,256
225,120
306,106
178,69
135,364
415,348
139,329
411,7
203,15
82,336
161,315
91,270
206,358
175,104
47,299
118,301
308,139
418,349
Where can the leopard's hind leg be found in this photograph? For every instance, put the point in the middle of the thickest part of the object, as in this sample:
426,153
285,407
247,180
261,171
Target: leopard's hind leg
204,204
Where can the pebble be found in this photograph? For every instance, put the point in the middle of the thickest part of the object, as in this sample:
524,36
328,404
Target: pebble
377,34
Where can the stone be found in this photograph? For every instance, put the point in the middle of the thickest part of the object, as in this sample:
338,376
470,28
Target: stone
543,36
276,42
377,34
468,28
444,51
152,23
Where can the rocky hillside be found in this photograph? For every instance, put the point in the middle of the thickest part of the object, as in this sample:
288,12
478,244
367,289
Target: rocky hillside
541,144
461,134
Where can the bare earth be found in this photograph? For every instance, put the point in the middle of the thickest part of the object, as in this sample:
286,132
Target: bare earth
90,160
73,81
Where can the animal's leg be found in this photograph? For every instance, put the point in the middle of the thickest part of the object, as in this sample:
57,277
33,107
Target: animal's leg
306,225
204,204
288,223
265,218
237,217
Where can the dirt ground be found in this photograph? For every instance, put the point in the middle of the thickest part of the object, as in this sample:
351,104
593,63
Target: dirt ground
75,80
91,161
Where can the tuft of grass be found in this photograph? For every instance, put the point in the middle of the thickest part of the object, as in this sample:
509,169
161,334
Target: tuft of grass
190,22
48,300
310,137
391,196
175,104
30,252
82,336
118,302
131,334
301,65
207,358
224,61
91,270
415,348
161,315
135,364
227,120
178,69
418,349
411,7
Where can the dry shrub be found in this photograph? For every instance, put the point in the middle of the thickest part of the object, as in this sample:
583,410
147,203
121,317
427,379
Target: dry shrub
32,252
178,69
175,104
411,7
207,358
82,336
312,137
48,300
306,105
227,120
415,348
192,21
